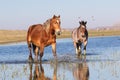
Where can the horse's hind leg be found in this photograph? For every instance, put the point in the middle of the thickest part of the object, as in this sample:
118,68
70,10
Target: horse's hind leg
36,53
30,49
41,52
29,46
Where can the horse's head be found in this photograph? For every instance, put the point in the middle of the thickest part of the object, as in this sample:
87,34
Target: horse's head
82,28
55,21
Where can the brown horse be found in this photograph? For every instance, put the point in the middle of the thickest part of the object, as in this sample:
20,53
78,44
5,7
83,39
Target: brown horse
79,36
41,35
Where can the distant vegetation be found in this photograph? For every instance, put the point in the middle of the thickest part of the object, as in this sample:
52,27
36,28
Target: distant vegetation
8,36
65,34
92,33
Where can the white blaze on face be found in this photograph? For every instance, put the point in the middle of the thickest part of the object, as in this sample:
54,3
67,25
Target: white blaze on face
82,26
57,21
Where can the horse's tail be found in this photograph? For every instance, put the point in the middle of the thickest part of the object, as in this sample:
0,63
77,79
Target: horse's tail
29,35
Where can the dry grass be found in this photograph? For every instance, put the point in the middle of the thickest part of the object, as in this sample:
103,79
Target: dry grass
65,34
104,33
8,36
93,33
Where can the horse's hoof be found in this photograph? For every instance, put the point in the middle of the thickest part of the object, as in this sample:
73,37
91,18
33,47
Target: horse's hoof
79,56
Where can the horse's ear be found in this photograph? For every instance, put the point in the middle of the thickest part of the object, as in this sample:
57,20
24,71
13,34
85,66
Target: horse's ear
59,16
54,16
79,22
85,22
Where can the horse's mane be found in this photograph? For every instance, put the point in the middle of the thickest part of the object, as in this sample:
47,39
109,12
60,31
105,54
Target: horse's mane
46,25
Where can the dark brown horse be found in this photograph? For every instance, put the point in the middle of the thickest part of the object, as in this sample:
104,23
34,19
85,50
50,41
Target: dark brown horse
41,35
79,36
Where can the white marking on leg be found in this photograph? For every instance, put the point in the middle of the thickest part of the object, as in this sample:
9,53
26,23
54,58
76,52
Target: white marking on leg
76,51
84,52
79,49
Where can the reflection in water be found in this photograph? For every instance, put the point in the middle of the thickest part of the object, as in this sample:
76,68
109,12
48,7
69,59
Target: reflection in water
39,74
81,71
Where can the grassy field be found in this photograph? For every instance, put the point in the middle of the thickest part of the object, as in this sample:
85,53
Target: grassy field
104,33
9,36
93,33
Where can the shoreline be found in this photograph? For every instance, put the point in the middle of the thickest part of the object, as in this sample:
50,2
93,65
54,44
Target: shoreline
10,42
15,36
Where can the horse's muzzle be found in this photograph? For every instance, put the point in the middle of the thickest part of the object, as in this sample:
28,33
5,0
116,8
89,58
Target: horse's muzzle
83,35
58,32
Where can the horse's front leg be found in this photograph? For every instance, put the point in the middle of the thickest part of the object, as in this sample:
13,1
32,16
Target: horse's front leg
76,48
36,54
85,44
75,45
78,45
54,50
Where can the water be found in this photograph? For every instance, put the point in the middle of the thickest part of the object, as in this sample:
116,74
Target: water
102,61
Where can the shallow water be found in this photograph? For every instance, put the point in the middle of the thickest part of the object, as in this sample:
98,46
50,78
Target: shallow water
102,61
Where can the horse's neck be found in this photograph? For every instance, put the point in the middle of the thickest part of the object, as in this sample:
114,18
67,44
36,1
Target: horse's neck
46,26
48,29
